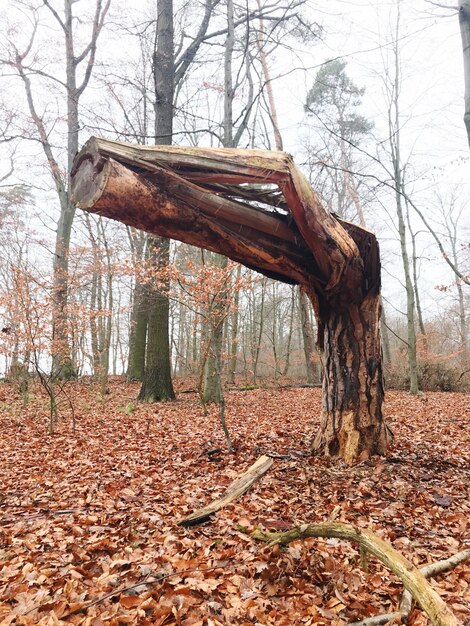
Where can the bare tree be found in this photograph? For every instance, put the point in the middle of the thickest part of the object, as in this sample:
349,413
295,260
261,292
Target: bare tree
79,66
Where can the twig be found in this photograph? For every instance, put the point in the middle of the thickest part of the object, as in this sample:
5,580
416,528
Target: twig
292,455
145,581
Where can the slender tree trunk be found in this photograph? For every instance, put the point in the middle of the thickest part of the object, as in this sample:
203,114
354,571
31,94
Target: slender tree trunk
463,323
290,333
139,310
234,334
452,227
308,339
395,147
410,296
257,336
385,337
463,326
274,330
138,333
269,87
414,265
62,364
107,318
61,361
464,21
212,389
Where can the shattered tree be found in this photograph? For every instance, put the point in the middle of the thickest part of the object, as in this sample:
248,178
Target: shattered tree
257,208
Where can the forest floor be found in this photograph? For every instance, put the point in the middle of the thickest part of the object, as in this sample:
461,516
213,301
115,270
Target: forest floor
88,519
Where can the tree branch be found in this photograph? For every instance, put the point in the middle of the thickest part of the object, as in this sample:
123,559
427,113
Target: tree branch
406,604
90,49
412,578
55,14
38,122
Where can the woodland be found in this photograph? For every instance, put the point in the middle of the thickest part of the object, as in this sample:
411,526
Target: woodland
234,354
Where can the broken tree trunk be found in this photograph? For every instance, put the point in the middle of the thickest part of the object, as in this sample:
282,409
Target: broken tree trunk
233,491
256,208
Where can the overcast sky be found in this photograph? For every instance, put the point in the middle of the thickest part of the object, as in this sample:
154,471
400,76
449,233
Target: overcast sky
431,104
431,100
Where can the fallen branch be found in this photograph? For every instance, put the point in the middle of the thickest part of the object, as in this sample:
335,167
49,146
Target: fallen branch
234,491
406,604
413,580
146,581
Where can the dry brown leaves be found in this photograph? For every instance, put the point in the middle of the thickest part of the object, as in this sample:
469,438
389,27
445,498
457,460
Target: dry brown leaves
88,529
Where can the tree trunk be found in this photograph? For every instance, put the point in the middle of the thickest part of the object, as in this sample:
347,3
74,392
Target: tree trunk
463,326
212,390
395,151
61,361
257,333
352,425
385,337
137,333
157,384
139,311
463,323
414,265
289,334
233,347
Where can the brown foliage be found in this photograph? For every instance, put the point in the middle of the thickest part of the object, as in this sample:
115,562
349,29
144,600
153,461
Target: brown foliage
88,520
433,375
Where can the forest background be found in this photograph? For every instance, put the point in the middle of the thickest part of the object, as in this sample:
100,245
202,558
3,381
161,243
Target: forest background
368,99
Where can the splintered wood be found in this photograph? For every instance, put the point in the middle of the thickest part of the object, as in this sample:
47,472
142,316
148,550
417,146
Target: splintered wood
257,208
234,491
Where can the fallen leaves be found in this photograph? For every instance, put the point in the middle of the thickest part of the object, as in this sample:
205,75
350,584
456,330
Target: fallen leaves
88,520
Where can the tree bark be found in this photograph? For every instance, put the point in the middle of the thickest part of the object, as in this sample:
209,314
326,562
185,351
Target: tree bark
399,185
157,384
233,345
139,311
212,389
352,425
337,263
